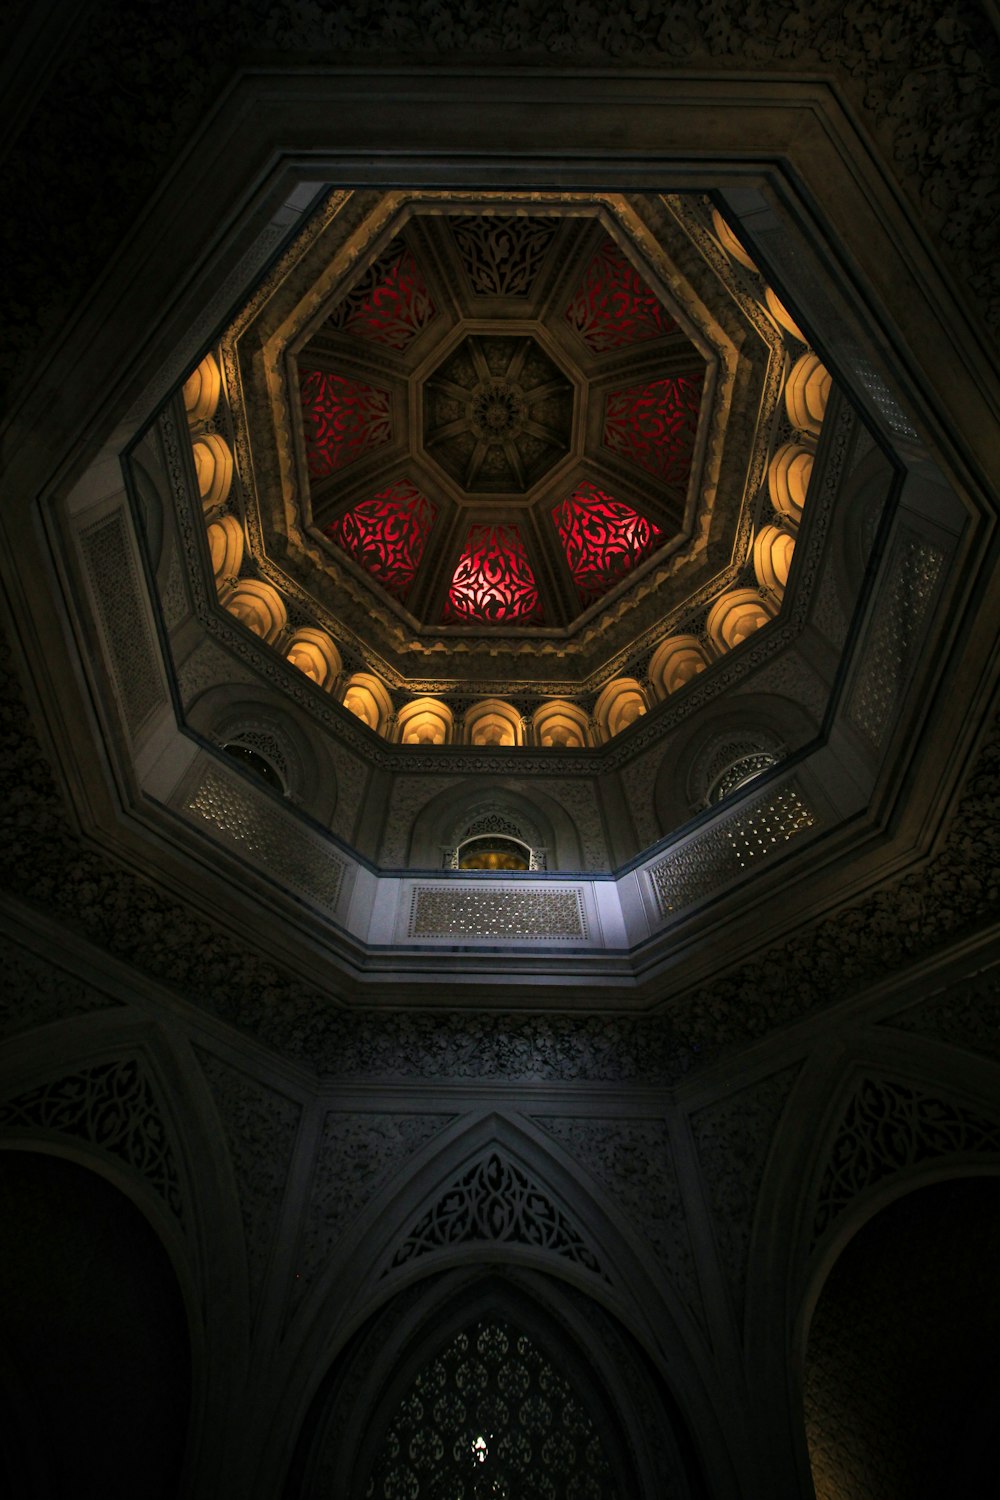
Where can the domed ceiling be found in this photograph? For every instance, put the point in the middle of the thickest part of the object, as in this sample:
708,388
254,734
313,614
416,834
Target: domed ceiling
509,447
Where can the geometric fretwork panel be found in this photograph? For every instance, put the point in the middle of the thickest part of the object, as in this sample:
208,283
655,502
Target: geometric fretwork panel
491,1416
387,534
602,538
654,425
493,1201
110,1106
613,306
887,1127
390,304
342,419
494,583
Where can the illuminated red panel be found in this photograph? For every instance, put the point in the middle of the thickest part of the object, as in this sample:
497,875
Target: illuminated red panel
390,304
654,425
602,538
613,306
387,535
493,583
343,419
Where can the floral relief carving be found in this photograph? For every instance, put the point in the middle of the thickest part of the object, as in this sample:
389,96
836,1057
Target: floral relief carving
634,1161
111,1106
886,1127
356,1154
733,1138
260,1127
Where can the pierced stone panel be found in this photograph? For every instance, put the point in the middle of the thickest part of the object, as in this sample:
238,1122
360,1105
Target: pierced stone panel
710,860
495,1202
253,827
491,1415
110,1106
502,253
886,1127
506,913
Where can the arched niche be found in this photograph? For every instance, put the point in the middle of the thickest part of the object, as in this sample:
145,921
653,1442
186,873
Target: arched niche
269,726
313,653
425,721
560,725
807,391
492,723
483,1360
202,390
367,698
259,607
618,706
94,1334
773,549
676,662
225,549
788,476
727,239
508,808
213,466
900,1391
736,616
780,314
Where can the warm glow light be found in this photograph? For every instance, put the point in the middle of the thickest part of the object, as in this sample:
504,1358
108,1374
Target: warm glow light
603,538
494,583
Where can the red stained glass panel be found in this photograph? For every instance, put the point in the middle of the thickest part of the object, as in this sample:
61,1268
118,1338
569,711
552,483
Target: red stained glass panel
602,538
654,425
387,534
390,304
613,306
343,419
494,583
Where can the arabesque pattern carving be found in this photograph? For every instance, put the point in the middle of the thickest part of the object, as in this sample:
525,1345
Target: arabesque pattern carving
603,538
613,306
733,1138
494,1201
502,253
490,1415
494,583
357,1153
260,1126
390,304
343,418
654,425
634,1161
387,534
966,1015
35,991
886,1127
111,1106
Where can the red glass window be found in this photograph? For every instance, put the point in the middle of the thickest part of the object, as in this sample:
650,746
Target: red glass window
390,304
613,306
602,538
343,419
494,583
654,425
387,534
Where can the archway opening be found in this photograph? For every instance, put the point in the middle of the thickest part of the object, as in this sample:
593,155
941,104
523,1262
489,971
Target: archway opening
901,1395
95,1360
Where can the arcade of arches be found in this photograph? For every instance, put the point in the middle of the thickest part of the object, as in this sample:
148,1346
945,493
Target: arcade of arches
497,732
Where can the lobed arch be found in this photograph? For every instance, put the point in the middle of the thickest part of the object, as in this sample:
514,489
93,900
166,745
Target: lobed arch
366,697
618,706
493,723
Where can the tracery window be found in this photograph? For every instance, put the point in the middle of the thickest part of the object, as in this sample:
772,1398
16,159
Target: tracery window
489,1416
